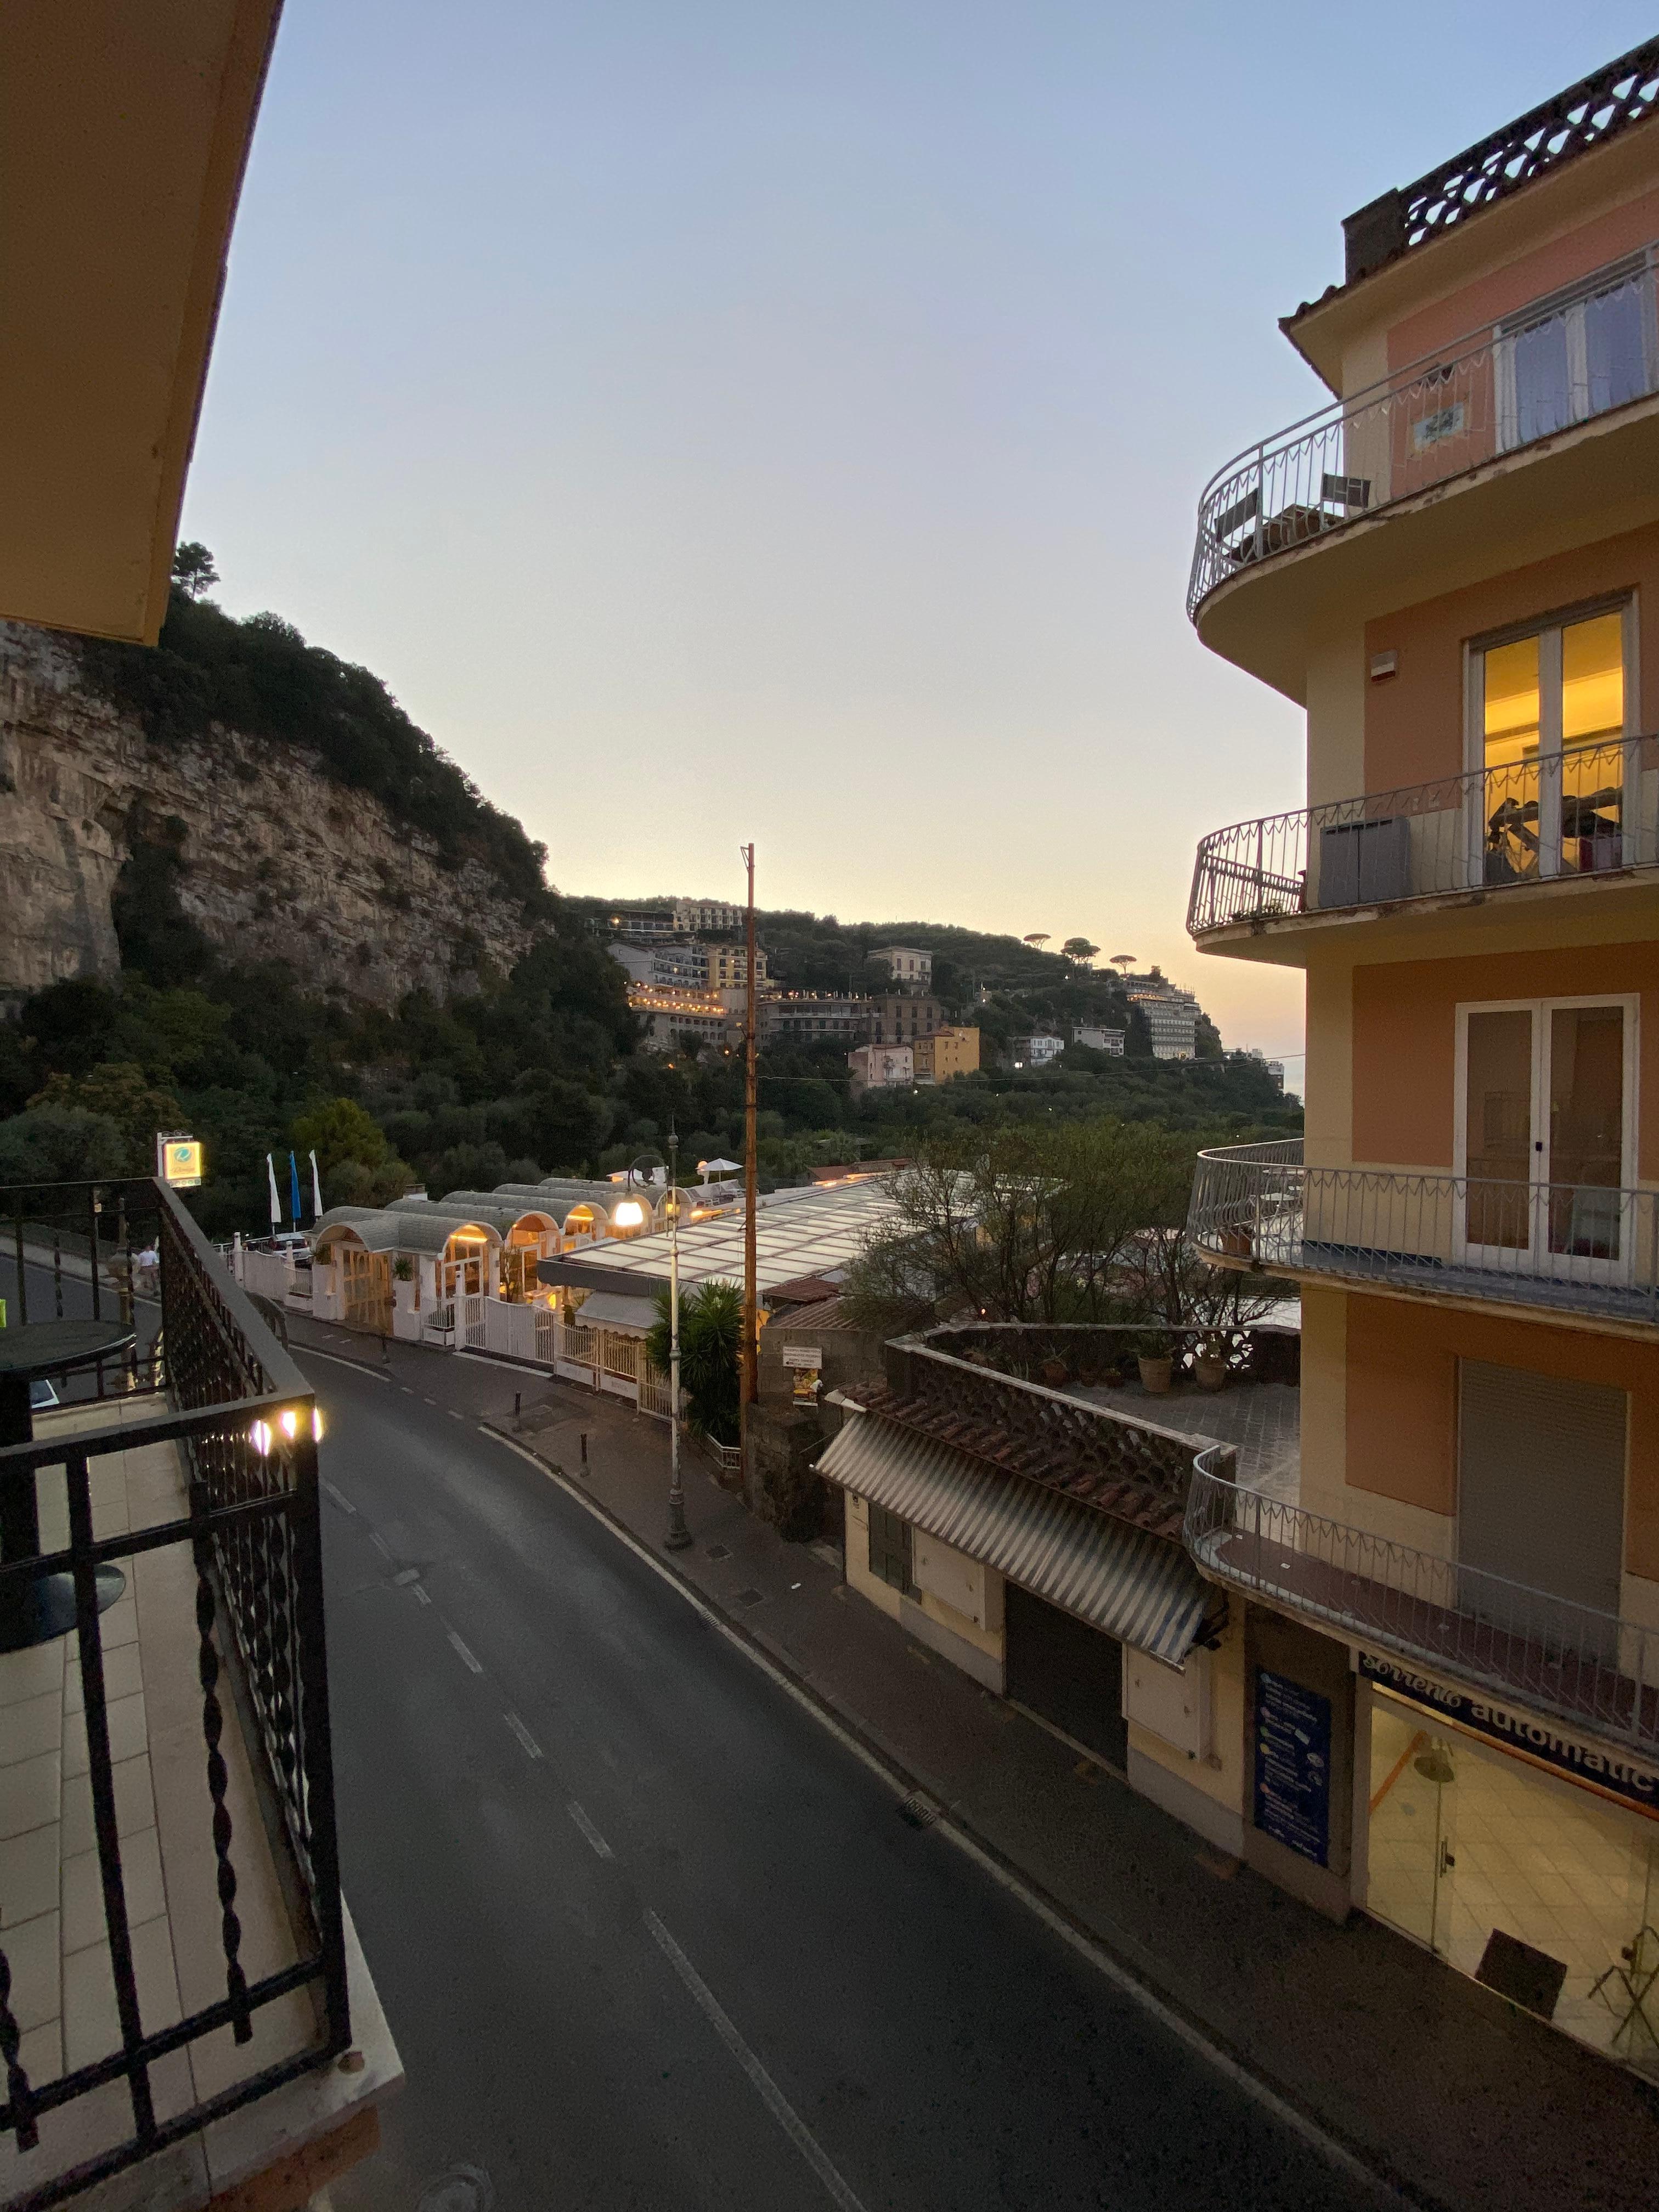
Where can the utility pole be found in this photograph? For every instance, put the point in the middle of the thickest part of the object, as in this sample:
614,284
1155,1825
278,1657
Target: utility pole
751,1370
679,1534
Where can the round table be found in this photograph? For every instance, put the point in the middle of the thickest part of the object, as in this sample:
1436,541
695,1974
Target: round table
32,1352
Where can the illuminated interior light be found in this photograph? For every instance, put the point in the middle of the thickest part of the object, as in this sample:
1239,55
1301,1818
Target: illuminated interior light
317,1424
260,1437
290,1421
629,1214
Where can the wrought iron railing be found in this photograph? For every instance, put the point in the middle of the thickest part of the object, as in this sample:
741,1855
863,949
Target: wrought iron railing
215,1386
1588,811
1583,1666
1565,360
1583,1247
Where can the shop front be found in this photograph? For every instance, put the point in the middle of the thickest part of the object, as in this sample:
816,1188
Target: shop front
1525,1855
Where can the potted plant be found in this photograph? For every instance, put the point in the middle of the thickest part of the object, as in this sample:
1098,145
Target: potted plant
1210,1360
1157,1363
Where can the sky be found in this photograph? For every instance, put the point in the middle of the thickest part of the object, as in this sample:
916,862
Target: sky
755,419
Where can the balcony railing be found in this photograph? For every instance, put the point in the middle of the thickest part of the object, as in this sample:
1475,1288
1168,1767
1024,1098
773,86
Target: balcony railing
1562,361
1588,1249
1569,1660
203,1959
1588,811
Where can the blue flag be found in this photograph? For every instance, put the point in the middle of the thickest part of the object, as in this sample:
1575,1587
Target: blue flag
294,1188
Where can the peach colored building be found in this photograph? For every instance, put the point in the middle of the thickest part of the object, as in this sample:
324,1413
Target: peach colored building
1450,1661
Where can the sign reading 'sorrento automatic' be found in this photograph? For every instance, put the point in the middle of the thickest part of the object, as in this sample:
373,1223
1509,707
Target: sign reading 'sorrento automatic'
1623,1775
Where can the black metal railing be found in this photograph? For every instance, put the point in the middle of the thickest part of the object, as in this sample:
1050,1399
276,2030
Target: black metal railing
212,1382
1555,818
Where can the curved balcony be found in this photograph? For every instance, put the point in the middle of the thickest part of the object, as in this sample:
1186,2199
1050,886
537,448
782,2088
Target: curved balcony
1591,811
1578,1249
1565,360
1582,1666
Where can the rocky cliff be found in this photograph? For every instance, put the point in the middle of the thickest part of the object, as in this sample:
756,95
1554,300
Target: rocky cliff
279,860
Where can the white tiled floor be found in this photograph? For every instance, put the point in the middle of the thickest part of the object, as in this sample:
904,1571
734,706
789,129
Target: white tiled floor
1557,1867
51,1905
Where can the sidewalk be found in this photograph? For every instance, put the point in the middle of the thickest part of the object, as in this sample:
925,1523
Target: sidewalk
1459,2099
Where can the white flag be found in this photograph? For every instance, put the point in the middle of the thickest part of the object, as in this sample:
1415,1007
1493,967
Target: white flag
316,1192
276,1202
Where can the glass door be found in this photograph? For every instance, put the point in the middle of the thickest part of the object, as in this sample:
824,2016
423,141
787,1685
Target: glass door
1412,1852
1551,719
1545,1139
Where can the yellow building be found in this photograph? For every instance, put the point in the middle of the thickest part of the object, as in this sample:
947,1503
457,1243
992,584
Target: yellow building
945,1053
1451,1638
728,967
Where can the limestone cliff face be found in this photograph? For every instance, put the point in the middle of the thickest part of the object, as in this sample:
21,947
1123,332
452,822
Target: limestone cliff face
280,862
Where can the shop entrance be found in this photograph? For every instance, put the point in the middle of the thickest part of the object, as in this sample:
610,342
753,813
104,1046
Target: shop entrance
1546,1892
1067,1673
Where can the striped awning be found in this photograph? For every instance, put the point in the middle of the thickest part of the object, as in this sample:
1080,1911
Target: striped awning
1132,1585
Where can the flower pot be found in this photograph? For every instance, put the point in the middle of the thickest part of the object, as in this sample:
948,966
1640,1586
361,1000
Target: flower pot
1054,1373
1210,1370
1156,1375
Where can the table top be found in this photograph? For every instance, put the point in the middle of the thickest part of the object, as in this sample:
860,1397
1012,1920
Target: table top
33,1348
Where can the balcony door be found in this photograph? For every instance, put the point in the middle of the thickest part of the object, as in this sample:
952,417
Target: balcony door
1549,733
1545,1138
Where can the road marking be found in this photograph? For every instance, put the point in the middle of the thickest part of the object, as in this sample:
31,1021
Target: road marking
531,1748
1123,1979
424,1595
454,1415
404,1387
588,1829
316,1351
338,1498
768,2090
465,1655
380,1543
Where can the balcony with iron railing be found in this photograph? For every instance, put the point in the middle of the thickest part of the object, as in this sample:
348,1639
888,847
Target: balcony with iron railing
1507,388
178,1974
1566,1250
1588,1669
1587,816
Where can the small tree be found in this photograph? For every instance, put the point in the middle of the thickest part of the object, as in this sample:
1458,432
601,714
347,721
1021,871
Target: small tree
711,1331
192,569
1079,951
1036,940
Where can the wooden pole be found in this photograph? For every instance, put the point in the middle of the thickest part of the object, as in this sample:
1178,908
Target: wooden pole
750,1178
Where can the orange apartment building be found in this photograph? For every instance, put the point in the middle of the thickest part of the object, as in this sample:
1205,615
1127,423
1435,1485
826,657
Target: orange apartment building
1450,1661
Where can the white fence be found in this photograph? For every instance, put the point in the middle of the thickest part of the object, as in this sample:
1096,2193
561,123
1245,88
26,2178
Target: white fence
605,1359
273,1275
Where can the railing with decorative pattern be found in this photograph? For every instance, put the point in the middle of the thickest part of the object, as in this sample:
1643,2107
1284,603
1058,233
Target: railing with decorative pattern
1582,1247
1585,1667
1598,107
1561,362
1589,811
224,1543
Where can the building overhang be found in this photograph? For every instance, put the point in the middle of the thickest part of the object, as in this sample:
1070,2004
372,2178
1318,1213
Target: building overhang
124,135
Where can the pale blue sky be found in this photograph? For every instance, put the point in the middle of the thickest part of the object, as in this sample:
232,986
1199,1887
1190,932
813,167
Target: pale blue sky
747,418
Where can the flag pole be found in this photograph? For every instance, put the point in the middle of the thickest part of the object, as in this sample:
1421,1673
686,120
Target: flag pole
750,1371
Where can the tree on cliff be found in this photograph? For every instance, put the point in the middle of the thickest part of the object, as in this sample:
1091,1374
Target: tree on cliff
192,569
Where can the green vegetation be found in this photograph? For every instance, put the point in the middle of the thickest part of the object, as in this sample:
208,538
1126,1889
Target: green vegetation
711,1335
540,1071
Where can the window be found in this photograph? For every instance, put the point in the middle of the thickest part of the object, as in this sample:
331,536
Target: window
890,1548
1566,359
1549,724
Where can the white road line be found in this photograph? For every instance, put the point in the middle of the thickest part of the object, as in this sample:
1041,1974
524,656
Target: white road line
380,1543
768,2090
1093,1949
425,1596
465,1655
303,1352
339,1496
531,1748
588,1829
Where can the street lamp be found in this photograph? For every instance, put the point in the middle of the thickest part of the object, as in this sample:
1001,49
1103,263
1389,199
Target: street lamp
679,1534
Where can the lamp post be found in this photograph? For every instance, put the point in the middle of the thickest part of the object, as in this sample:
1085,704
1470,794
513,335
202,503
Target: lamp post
679,1534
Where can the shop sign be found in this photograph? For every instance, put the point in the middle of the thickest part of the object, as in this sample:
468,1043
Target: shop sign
179,1161
1293,1766
1623,1774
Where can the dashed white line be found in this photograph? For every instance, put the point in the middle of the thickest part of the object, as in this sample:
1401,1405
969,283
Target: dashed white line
424,1595
454,1415
465,1655
588,1829
380,1543
339,1496
532,1749
768,2090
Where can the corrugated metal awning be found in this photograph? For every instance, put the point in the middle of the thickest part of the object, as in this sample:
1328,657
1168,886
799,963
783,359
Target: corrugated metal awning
1132,1585
608,1309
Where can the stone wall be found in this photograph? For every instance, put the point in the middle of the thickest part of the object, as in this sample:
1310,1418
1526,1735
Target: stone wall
280,862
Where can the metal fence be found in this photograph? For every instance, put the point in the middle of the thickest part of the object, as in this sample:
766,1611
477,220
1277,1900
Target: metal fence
1586,1667
1587,810
1587,1247
216,1385
1563,361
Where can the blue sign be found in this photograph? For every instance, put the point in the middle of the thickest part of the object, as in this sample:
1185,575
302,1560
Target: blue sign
1293,1766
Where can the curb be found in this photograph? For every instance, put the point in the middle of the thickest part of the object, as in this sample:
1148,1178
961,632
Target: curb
1364,2165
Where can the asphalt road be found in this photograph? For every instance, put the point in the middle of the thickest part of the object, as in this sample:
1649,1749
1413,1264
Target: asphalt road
648,1935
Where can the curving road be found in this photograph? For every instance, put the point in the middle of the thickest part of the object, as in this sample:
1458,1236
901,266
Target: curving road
649,1935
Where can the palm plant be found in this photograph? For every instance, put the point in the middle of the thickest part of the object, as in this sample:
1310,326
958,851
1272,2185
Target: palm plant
711,1333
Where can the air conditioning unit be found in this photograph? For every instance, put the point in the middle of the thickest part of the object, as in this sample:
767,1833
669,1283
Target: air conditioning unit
1365,863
